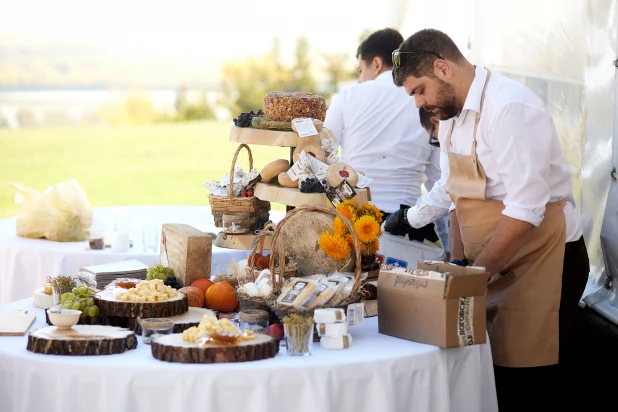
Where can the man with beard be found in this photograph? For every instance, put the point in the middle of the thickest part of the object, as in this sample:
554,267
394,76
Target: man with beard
505,180
379,132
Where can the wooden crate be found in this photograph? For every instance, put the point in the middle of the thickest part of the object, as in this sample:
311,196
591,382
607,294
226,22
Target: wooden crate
189,252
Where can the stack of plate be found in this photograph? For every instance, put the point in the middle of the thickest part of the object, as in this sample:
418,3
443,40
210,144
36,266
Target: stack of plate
103,275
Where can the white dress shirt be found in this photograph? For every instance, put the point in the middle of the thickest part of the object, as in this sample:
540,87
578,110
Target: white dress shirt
379,132
518,148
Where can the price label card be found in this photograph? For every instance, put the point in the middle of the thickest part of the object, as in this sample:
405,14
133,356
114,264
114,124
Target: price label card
317,167
341,193
363,181
356,315
305,127
299,168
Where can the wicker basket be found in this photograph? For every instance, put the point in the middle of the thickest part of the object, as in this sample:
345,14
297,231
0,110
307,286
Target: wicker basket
278,250
256,209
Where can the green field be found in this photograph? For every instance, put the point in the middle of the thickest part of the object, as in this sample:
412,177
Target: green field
161,164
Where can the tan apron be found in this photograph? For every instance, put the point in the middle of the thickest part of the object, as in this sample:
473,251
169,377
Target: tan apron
523,301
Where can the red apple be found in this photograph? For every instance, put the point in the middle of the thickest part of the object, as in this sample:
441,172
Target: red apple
276,331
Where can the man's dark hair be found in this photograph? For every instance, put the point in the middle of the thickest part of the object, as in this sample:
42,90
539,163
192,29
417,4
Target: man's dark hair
426,118
382,44
435,43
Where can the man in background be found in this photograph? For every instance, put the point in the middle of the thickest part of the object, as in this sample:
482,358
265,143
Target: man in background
379,132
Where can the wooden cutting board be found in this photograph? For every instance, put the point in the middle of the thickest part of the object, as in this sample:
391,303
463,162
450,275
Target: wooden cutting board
16,323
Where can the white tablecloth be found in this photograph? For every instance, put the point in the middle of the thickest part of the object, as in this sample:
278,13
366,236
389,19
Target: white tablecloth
25,264
377,373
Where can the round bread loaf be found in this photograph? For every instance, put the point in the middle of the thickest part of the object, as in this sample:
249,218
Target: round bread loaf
285,106
311,149
337,172
285,181
272,170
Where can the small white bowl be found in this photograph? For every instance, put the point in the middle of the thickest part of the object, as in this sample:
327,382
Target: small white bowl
64,318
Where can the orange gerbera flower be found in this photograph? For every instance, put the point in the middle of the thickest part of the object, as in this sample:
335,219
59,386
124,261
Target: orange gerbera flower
366,229
339,227
347,211
370,209
350,240
375,246
334,245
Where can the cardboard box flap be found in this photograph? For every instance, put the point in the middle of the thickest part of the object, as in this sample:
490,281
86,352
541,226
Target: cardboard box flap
461,281
400,282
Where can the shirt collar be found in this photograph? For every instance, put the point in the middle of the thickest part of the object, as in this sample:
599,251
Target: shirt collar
384,77
473,99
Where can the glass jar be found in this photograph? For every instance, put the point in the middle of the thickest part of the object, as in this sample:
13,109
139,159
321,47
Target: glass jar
255,320
236,224
299,339
154,327
232,316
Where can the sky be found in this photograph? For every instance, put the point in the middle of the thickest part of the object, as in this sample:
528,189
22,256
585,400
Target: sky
203,33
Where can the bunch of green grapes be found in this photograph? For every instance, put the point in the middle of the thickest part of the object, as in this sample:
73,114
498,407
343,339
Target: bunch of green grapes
80,298
159,272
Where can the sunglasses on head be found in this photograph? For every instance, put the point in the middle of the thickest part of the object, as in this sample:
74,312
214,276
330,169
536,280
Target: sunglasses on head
432,141
397,56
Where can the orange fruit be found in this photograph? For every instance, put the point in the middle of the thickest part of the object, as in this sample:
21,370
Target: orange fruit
195,295
203,283
221,297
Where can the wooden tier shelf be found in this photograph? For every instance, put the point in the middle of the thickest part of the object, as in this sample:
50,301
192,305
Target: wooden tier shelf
266,137
273,192
241,242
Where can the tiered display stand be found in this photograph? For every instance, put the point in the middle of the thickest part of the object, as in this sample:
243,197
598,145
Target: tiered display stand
274,192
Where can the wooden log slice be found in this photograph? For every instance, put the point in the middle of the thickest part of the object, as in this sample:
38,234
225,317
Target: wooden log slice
81,340
118,308
172,348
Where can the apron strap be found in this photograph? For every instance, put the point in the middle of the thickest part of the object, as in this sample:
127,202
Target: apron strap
477,119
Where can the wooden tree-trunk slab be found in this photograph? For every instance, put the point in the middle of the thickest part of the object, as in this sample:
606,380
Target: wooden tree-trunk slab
172,307
81,340
172,348
192,317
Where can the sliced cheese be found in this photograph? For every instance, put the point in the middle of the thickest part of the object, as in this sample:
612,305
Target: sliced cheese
272,170
298,292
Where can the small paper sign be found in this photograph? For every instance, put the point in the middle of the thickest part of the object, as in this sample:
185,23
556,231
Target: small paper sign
363,181
299,168
305,127
333,157
317,167
356,315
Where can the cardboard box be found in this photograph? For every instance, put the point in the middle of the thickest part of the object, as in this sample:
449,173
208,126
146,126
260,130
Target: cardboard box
189,252
438,304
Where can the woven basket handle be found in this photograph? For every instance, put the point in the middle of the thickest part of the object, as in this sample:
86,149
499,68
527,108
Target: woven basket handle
258,245
230,188
278,249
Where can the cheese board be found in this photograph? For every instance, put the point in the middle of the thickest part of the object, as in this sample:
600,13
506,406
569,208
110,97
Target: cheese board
281,138
81,340
172,348
110,306
16,323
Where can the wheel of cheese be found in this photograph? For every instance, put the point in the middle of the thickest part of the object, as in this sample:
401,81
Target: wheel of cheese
317,123
272,170
285,106
311,149
337,172
285,181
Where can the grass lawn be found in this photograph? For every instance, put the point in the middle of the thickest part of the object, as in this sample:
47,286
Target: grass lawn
162,164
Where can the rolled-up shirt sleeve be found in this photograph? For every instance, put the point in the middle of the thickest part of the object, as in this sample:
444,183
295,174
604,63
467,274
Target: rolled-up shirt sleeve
437,202
522,147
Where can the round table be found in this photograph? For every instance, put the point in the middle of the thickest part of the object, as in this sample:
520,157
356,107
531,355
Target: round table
25,264
377,373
